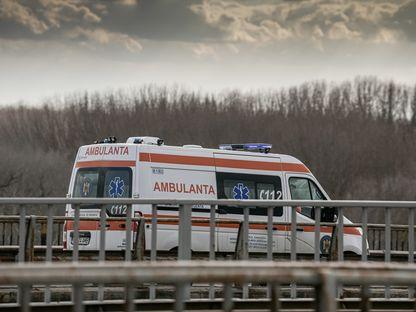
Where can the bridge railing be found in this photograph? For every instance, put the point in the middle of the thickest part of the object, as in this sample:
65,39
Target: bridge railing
185,219
322,278
293,228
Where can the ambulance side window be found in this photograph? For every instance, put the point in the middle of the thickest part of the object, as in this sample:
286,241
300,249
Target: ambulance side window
248,186
305,189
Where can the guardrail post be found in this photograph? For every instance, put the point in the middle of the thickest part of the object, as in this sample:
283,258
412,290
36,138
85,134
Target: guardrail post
411,243
153,248
228,303
22,233
364,221
365,298
269,243
238,252
275,304
212,244
25,297
78,298
293,238
49,240
30,239
127,253
185,232
333,247
75,234
185,241
317,232
140,243
387,244
43,233
340,234
326,293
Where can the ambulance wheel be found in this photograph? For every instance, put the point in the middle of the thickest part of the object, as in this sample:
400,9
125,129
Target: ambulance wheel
350,255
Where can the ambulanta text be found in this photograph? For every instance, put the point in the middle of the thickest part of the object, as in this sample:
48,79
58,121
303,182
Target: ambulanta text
183,188
107,150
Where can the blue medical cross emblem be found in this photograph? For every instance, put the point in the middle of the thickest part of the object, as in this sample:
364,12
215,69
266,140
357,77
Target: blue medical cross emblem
241,191
116,188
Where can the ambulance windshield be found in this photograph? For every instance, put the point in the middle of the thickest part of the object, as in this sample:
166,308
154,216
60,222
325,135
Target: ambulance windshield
103,182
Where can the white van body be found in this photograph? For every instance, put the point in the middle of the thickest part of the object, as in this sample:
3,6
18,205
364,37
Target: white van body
192,172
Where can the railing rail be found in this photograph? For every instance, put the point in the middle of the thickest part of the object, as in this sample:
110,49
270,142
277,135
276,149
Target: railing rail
324,278
223,202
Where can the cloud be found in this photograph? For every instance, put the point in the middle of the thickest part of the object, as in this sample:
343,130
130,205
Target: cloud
39,16
58,11
317,21
205,25
128,2
68,19
202,50
104,37
13,10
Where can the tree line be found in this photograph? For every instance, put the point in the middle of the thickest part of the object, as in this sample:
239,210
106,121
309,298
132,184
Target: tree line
358,137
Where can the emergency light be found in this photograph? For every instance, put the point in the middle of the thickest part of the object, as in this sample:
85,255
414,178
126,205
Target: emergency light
248,147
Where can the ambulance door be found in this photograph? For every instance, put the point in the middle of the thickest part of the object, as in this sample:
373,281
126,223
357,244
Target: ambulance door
86,184
303,187
250,186
182,181
117,183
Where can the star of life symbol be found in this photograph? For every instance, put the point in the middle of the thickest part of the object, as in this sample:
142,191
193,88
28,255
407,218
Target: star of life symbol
116,188
241,191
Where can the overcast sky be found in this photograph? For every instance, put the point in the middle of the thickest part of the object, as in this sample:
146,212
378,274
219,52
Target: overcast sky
50,47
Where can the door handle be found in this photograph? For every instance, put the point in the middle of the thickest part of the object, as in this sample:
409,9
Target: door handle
299,229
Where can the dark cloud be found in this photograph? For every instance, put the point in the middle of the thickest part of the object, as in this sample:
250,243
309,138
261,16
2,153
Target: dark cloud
170,20
405,20
208,21
318,20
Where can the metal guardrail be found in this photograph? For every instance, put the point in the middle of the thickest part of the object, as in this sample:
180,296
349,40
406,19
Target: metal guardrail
185,228
323,277
37,233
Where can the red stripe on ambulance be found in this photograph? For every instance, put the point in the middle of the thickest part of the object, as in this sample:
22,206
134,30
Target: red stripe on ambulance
221,162
105,163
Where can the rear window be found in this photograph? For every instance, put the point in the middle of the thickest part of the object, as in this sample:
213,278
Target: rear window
117,183
104,182
86,183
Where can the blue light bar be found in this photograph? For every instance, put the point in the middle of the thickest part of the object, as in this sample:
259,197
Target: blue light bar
249,147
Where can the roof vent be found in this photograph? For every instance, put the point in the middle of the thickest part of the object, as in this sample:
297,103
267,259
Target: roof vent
248,147
145,140
192,146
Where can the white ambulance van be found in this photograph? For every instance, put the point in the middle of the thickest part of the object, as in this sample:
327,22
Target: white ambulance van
144,167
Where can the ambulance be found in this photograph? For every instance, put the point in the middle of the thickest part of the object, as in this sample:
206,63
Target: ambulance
144,167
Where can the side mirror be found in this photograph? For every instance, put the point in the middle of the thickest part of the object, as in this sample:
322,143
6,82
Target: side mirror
328,214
